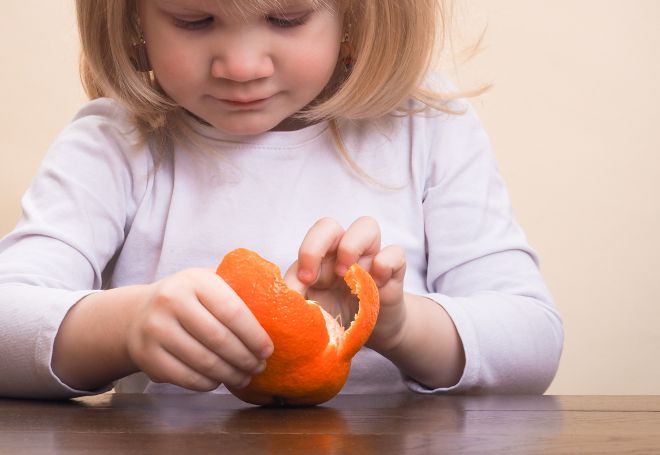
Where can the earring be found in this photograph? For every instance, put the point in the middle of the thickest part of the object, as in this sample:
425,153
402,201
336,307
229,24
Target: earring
346,52
140,59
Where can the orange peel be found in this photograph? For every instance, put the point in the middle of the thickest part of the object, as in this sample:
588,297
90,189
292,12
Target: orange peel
313,352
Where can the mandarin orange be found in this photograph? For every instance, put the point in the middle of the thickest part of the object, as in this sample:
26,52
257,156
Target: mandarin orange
312,356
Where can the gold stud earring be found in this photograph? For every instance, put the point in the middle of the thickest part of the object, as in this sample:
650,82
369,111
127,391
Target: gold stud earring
140,58
346,52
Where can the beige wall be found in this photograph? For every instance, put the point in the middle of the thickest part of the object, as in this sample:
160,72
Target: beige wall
40,90
574,117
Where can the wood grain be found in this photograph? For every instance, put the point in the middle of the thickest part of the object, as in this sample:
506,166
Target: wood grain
394,424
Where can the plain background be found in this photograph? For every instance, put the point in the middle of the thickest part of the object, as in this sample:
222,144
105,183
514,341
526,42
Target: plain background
574,118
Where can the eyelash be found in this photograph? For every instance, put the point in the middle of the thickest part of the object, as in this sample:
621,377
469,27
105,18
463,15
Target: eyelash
287,23
273,20
193,25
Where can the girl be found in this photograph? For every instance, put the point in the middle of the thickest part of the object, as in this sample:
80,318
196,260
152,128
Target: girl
306,130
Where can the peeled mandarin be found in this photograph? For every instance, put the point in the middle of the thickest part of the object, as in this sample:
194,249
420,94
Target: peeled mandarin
313,352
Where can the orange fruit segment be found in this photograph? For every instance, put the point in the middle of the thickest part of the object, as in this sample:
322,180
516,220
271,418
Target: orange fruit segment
313,352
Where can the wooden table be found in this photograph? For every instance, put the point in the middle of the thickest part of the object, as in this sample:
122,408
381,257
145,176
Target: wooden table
390,424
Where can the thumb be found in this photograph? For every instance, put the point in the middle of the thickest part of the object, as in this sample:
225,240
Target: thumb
291,279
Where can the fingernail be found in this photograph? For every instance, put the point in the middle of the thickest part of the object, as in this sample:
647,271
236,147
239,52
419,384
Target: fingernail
305,275
266,352
341,270
259,368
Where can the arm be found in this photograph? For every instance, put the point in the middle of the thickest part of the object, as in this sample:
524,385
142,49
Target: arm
480,273
490,340
90,347
428,347
189,329
59,335
73,221
480,268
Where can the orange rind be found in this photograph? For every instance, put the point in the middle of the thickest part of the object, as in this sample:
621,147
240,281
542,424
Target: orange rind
313,352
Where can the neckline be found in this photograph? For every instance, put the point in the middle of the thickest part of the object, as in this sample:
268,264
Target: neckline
270,139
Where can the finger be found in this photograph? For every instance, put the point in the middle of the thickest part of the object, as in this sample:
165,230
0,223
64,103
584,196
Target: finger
318,248
360,243
164,367
293,281
389,265
198,321
197,357
227,307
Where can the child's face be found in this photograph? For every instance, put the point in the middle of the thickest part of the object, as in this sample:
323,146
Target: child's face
242,73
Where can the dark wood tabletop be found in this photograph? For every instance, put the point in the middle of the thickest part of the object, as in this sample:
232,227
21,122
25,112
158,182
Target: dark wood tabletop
348,424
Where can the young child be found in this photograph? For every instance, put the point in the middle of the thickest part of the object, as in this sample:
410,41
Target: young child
306,130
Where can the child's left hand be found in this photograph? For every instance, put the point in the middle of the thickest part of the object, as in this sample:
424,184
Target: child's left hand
325,255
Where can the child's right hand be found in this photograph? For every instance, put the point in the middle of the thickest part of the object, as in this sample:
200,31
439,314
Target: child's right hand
192,330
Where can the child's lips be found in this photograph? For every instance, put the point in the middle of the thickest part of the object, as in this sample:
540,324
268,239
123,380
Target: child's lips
244,103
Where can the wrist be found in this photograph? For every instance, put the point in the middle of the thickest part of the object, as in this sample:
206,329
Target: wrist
427,347
90,349
129,300
391,329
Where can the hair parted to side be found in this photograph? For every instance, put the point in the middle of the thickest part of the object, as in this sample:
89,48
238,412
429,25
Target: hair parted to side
394,43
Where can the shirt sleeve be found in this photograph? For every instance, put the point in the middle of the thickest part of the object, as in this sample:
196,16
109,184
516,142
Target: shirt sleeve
481,268
73,220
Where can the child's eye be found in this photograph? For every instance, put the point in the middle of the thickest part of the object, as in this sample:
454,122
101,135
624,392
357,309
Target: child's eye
288,22
193,25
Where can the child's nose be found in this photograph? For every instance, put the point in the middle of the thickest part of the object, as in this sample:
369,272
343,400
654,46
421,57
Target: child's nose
242,63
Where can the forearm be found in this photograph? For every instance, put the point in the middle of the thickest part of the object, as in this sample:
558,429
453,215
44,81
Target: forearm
90,347
429,349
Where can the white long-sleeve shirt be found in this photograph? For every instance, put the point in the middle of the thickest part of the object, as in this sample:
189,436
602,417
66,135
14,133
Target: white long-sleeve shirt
103,212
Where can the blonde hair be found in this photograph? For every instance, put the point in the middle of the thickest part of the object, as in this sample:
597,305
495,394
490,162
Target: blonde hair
393,43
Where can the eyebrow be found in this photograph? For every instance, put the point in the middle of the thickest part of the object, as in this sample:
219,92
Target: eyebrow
244,8
276,5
